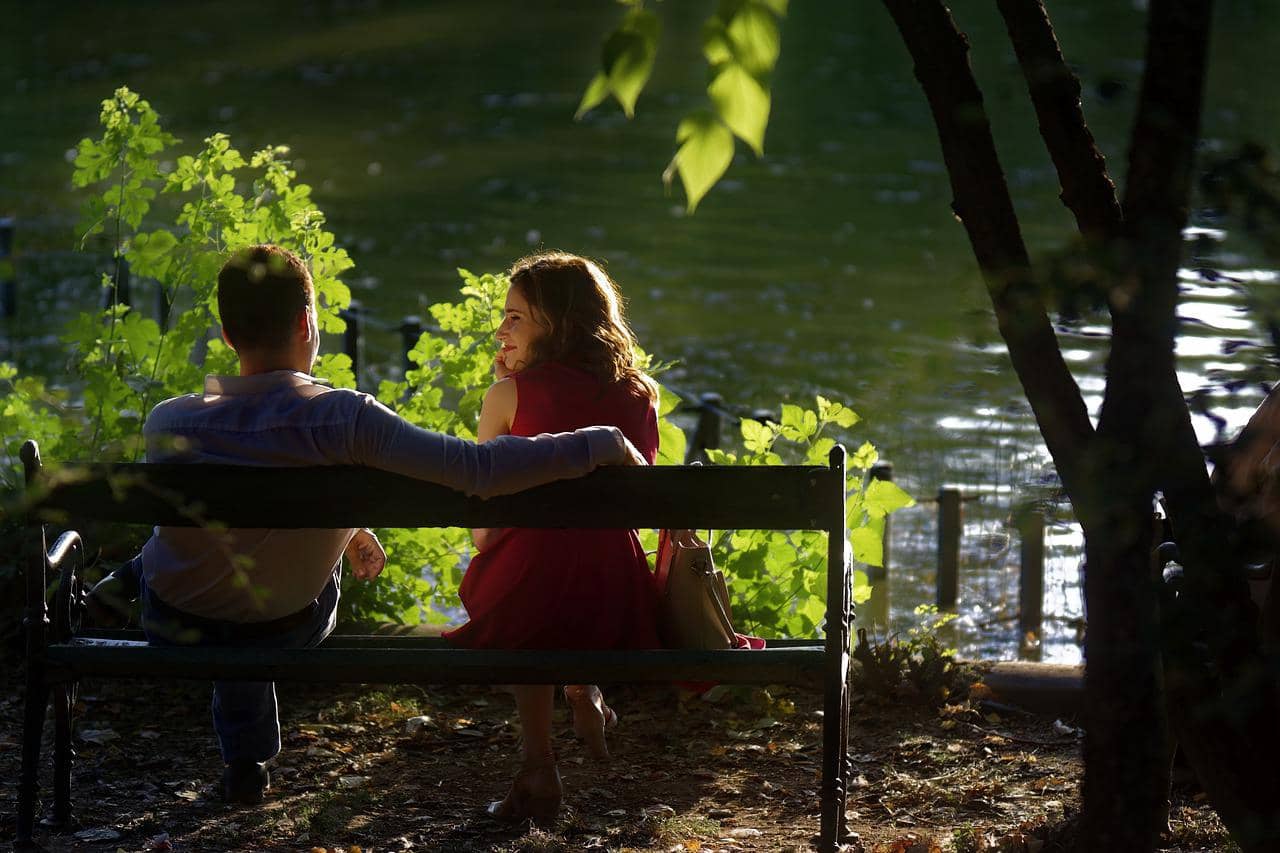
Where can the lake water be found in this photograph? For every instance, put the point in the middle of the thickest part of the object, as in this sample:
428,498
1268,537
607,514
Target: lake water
441,136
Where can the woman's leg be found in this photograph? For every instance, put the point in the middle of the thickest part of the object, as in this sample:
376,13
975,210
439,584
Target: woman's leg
535,703
591,716
536,791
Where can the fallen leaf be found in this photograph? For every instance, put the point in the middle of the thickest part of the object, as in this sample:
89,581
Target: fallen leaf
98,736
104,833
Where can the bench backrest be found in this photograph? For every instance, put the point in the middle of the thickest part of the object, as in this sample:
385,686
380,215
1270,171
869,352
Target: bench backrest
759,497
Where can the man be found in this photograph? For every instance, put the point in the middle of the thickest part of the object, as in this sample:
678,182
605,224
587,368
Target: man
279,588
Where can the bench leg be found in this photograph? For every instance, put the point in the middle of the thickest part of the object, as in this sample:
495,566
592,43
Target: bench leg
29,776
63,753
835,738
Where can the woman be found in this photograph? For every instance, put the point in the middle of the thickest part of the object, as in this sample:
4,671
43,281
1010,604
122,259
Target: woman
566,360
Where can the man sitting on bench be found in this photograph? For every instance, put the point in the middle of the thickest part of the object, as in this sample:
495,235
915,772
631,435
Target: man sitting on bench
279,588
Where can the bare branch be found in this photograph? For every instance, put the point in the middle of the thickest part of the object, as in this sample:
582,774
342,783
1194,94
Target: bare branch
982,202
1087,189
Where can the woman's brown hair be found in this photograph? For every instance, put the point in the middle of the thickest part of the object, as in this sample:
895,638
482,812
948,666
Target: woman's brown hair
582,310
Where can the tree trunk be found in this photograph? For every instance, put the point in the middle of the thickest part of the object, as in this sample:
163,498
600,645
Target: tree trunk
1126,779
1144,441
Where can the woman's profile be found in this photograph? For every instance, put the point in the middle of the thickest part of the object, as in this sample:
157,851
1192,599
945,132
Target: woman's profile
566,359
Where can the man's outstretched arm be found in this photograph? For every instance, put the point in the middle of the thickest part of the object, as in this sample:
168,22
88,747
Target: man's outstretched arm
382,439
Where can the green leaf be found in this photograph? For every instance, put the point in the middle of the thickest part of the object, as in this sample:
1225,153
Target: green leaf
868,547
753,34
597,90
706,150
672,443
742,103
756,437
628,57
151,254
885,496
716,46
864,457
778,7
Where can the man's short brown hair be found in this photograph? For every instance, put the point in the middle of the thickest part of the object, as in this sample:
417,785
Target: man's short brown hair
261,291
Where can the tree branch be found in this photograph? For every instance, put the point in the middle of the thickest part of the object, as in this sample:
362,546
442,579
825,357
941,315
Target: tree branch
982,202
1087,189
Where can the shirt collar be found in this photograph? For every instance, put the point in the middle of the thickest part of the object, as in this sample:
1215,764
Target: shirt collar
258,383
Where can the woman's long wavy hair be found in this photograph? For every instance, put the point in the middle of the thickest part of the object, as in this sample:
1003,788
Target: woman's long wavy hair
582,310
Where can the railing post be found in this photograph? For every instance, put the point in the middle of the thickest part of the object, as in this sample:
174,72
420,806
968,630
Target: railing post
351,336
8,286
118,292
163,306
410,331
882,470
707,434
949,527
1031,573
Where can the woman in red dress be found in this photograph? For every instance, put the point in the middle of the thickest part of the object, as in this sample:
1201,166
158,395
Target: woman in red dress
566,360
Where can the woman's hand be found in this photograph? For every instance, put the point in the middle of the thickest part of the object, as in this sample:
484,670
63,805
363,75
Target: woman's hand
500,369
366,556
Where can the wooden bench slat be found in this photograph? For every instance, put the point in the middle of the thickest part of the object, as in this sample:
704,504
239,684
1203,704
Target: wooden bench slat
722,497
126,658
407,638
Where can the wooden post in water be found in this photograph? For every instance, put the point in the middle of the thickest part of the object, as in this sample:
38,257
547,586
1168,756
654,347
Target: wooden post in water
882,470
351,336
706,436
8,287
410,331
950,524
1031,572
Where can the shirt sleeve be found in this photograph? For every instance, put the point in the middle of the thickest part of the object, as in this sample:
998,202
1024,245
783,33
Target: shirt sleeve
382,439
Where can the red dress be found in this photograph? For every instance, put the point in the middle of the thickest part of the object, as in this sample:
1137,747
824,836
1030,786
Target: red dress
565,589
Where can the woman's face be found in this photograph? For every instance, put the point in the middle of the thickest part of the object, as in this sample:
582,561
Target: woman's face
520,328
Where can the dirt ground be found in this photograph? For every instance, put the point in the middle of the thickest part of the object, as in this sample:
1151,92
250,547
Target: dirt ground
734,769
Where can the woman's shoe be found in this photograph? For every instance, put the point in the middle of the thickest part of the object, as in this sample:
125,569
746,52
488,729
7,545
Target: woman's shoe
591,718
535,795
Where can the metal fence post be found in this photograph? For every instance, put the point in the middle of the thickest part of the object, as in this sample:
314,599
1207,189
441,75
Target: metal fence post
8,286
950,524
163,306
1031,572
410,331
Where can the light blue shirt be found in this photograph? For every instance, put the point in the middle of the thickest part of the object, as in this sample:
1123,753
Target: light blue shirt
286,418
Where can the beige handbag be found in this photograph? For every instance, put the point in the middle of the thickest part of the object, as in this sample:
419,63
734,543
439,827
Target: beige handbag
694,612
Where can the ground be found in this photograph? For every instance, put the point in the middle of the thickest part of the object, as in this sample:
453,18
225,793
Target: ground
734,769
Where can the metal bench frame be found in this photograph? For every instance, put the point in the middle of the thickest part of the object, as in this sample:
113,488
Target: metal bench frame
58,653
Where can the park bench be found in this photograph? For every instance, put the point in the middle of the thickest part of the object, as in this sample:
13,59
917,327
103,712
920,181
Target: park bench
59,652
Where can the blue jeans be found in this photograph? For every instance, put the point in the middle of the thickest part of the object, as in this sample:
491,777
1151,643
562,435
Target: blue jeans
245,714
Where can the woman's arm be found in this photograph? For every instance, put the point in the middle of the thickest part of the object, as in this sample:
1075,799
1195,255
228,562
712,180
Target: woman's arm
496,415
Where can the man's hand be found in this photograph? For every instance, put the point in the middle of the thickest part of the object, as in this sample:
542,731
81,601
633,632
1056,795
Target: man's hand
634,457
366,556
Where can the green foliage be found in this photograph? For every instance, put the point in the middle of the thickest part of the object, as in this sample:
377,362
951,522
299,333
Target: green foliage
741,42
122,362
778,578
920,666
219,201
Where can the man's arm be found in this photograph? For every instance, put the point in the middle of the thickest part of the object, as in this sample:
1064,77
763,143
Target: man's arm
382,439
